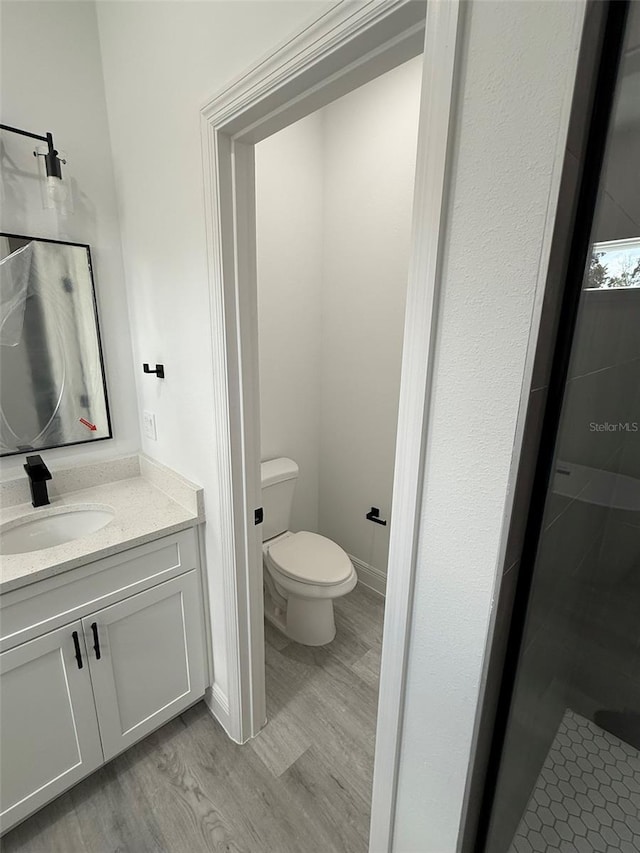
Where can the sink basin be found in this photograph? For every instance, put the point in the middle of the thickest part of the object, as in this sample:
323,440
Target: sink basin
53,527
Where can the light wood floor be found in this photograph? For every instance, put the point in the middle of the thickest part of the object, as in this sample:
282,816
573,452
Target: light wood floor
302,786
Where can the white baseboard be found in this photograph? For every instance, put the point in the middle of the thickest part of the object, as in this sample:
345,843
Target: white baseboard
218,704
369,576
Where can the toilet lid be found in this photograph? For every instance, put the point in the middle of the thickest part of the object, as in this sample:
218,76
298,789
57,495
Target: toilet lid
310,558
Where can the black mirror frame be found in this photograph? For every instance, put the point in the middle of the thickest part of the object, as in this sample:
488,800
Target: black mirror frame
87,249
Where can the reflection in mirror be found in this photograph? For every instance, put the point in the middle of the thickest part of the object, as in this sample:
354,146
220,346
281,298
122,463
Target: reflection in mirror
52,386
614,264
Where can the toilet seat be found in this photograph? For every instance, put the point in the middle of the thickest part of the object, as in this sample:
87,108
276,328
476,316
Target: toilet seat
310,558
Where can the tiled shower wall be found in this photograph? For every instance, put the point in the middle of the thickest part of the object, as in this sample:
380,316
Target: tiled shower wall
581,641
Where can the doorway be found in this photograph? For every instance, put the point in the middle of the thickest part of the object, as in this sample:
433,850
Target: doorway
334,195
340,52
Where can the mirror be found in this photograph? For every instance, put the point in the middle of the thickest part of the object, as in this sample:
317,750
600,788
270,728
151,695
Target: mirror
52,385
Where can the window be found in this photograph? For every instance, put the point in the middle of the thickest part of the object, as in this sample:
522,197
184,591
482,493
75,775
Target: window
614,264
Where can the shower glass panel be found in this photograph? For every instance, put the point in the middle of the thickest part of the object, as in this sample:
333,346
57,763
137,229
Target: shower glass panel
569,777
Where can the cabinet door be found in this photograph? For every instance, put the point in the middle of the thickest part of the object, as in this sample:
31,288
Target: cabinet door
146,659
48,728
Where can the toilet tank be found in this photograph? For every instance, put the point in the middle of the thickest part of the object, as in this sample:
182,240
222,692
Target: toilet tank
278,477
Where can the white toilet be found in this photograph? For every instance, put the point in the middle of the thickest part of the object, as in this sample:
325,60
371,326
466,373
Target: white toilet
303,572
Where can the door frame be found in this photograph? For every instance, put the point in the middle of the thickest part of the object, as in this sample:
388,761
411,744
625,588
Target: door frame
343,49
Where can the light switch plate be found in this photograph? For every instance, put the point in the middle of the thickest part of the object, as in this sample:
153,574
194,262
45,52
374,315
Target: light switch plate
149,425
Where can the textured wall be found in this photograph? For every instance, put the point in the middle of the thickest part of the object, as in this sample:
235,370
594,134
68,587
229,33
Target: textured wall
516,80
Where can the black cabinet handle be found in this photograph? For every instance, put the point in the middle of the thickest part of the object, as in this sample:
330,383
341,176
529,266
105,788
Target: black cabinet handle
96,640
76,643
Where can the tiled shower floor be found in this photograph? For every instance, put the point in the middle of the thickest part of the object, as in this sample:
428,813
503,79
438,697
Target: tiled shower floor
587,796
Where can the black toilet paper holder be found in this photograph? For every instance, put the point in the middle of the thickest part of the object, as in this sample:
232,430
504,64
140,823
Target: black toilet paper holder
159,371
374,515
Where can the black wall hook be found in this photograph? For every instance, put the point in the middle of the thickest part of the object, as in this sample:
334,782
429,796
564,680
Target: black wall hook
159,371
374,515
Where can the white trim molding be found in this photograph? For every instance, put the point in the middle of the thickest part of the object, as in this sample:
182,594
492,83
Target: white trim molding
217,702
346,47
369,576
443,25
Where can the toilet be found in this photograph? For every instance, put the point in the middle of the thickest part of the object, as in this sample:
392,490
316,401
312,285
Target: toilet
303,572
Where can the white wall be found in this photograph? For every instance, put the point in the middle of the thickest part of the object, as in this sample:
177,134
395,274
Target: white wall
370,153
289,228
51,80
334,201
162,62
516,78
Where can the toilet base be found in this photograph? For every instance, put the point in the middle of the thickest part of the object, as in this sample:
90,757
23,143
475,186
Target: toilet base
308,621
274,614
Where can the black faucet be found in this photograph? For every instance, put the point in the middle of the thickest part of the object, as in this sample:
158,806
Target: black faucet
38,474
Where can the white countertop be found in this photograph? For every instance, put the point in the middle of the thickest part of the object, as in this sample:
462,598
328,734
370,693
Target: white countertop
144,507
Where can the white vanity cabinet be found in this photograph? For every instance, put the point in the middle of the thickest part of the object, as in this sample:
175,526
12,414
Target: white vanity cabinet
146,660
125,654
48,726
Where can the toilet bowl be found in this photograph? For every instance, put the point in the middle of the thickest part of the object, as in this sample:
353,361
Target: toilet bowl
303,572
306,572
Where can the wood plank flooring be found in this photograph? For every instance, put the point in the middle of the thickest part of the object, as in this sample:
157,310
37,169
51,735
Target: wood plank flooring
302,786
